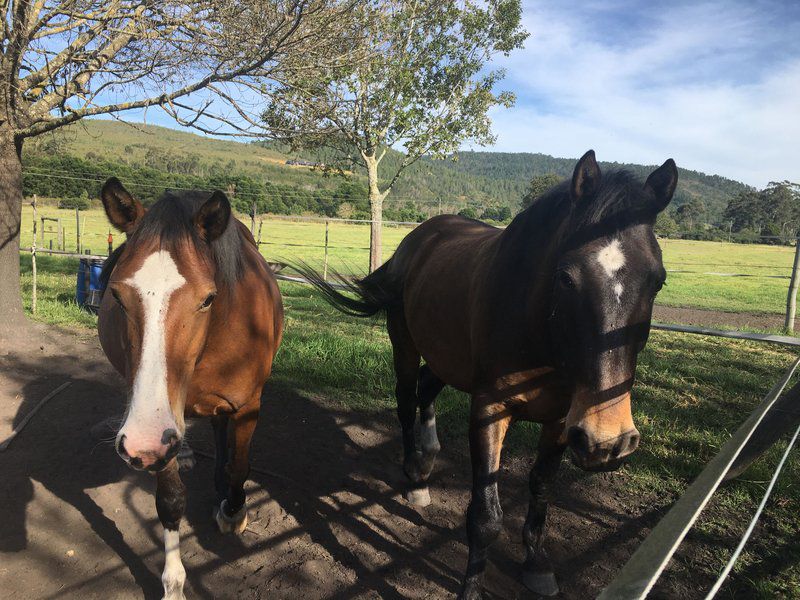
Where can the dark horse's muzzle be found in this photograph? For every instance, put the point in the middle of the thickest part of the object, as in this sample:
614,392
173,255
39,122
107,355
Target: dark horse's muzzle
607,455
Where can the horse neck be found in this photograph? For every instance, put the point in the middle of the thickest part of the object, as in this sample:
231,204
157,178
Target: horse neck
521,279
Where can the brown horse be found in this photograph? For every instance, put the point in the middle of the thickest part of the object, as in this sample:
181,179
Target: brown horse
542,321
192,319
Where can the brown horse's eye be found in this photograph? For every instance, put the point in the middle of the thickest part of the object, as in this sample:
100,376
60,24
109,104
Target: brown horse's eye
208,301
117,299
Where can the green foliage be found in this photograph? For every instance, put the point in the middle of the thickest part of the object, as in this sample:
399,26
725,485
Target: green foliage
468,212
476,178
501,214
773,211
665,225
538,186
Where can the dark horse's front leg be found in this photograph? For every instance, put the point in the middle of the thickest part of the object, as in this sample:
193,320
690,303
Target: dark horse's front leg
537,574
488,424
170,505
232,467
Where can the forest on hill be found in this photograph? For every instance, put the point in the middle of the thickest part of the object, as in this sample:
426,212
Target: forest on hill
74,162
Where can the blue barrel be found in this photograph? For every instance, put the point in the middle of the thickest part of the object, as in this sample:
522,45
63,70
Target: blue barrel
83,281
89,290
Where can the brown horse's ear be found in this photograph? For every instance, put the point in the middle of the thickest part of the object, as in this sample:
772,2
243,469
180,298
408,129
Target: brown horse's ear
122,209
662,183
585,178
211,219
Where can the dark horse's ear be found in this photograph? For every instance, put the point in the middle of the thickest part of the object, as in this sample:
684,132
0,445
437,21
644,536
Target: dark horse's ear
211,219
122,209
661,184
585,178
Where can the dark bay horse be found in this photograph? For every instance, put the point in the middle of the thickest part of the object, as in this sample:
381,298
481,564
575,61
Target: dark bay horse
542,321
192,318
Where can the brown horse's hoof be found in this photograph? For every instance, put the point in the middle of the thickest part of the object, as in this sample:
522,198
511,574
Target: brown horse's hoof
418,496
234,524
542,582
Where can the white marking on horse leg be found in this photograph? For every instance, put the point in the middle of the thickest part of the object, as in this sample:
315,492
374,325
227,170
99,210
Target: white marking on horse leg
174,575
611,258
429,441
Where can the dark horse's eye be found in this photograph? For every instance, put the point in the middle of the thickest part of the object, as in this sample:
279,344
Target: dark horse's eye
208,301
565,280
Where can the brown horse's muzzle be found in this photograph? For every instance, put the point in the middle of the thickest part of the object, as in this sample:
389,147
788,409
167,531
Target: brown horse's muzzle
600,436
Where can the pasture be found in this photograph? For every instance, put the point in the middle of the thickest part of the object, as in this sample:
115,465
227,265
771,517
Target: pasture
707,275
691,393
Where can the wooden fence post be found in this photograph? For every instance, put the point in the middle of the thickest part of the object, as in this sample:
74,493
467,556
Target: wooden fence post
253,220
791,299
78,230
325,261
33,259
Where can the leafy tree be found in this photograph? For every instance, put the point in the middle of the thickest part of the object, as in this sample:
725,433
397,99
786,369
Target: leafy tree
63,60
689,215
538,186
468,212
423,85
665,224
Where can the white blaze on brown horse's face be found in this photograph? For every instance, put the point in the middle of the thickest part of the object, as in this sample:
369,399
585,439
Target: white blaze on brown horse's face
167,316
606,283
150,431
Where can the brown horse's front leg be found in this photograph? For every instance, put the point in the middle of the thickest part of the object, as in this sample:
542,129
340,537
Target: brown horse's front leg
170,505
538,573
231,515
489,422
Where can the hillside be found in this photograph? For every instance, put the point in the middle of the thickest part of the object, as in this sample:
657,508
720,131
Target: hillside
158,154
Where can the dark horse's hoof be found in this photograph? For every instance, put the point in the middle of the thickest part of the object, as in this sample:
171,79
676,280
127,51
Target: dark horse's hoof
541,582
471,590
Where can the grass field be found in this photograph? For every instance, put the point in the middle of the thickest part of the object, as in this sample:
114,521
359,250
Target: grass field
713,275
692,392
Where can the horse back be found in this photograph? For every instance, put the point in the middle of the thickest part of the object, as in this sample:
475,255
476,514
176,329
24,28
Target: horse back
442,264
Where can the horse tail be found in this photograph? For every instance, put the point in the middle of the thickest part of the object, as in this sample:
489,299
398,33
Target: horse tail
368,296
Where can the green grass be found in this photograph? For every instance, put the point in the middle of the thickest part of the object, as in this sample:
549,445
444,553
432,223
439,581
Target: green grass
692,392
762,289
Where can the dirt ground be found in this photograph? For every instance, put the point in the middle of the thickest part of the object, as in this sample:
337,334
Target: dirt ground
716,318
327,519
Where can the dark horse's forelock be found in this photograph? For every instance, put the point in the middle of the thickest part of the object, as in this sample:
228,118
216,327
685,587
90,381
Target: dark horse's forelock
619,202
171,221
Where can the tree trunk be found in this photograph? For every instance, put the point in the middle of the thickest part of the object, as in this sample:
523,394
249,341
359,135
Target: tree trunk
11,314
376,198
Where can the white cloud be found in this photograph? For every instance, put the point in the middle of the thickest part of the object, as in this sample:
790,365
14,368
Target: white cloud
700,83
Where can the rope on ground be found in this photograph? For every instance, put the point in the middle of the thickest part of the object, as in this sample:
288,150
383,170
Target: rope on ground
7,442
645,566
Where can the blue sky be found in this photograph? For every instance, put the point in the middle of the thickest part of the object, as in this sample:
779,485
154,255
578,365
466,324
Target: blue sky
715,85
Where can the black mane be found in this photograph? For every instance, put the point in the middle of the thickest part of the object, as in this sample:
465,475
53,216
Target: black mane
171,221
620,201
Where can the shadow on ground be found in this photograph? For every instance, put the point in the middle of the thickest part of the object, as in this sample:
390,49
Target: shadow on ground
327,517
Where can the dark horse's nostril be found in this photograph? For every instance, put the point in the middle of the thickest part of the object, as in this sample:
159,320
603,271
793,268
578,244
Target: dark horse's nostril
121,447
578,441
626,445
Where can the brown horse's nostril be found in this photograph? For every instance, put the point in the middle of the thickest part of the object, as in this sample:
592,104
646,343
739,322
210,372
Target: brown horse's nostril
171,438
578,441
121,447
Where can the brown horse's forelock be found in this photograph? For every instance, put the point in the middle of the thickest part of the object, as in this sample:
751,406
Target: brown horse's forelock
171,221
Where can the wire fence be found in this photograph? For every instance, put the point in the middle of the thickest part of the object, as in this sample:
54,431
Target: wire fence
342,244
